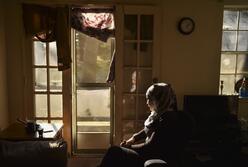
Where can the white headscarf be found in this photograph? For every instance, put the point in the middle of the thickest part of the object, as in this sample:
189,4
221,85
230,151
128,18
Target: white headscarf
165,100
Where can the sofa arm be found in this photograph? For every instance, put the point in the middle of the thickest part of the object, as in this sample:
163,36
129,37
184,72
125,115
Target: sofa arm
33,153
155,163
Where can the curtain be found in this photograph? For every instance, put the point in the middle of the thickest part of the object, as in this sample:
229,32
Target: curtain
49,24
97,23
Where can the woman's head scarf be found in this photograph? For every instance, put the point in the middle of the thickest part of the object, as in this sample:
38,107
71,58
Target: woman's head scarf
164,97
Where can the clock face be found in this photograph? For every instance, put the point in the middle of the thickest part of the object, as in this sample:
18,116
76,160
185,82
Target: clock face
186,25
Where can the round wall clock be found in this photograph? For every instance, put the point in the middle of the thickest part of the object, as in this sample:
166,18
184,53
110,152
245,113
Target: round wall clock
186,25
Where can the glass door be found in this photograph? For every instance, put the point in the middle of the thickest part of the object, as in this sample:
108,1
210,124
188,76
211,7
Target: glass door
92,96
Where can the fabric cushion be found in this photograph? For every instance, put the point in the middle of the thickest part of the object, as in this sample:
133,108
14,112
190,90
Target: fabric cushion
33,153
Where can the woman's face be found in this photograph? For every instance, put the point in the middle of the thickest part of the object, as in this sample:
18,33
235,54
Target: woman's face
151,104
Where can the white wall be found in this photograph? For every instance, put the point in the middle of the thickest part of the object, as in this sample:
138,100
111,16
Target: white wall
3,79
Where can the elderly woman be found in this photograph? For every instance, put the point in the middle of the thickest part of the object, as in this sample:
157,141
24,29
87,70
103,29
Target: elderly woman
163,135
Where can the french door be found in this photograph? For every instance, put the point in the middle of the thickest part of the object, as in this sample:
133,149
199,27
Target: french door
137,65
103,114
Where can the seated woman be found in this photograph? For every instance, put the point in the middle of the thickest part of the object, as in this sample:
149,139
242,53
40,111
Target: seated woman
163,136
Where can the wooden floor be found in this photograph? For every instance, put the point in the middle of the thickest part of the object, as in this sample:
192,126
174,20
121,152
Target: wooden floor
84,161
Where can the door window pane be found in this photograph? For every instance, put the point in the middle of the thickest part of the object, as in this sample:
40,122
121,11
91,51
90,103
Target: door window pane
128,129
143,110
146,27
57,121
140,126
228,63
55,80
146,52
130,77
41,105
39,53
243,23
93,104
230,20
129,106
144,80
130,54
229,39
93,118
40,79
93,58
41,121
130,27
53,58
56,106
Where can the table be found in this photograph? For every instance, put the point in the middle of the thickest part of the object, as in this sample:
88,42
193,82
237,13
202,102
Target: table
18,132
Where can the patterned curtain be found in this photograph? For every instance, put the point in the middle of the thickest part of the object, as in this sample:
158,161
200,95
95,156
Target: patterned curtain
49,24
97,23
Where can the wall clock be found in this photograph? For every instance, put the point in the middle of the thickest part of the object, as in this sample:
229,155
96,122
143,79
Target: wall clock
186,25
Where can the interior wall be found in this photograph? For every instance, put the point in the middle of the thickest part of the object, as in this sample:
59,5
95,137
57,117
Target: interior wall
14,48
191,63
3,83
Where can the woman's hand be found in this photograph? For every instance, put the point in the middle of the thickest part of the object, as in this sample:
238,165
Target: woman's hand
127,143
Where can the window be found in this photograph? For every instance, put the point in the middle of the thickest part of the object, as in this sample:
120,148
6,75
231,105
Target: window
234,50
47,87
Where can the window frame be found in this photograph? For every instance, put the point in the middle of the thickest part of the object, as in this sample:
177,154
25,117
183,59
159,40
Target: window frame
237,53
48,93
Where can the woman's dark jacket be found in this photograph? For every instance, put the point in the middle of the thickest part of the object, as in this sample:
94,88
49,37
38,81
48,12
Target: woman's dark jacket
171,132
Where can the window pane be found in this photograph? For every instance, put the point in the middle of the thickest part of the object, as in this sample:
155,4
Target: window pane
129,106
57,121
242,65
228,86
130,54
243,41
40,79
144,78
55,80
53,59
93,58
87,110
146,27
130,80
41,105
39,53
143,110
93,118
243,23
229,41
230,20
41,121
238,77
130,27
228,63
56,106
146,52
